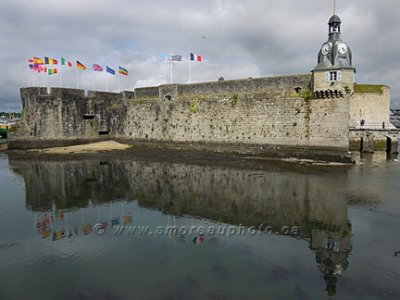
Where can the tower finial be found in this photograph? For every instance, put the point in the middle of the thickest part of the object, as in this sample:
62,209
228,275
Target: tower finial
334,7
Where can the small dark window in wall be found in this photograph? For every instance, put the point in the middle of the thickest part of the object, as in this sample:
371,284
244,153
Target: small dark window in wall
88,117
298,90
104,132
168,97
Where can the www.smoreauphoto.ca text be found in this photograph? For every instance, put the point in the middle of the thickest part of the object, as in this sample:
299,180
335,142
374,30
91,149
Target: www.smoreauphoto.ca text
226,230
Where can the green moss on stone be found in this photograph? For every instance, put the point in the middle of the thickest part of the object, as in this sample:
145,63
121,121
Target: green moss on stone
368,89
193,107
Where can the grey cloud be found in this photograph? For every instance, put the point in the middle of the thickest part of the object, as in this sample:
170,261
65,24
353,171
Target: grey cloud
247,38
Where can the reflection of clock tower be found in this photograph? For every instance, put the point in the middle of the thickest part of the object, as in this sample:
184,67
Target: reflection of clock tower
333,76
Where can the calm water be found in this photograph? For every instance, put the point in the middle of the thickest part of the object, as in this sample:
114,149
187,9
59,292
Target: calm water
326,232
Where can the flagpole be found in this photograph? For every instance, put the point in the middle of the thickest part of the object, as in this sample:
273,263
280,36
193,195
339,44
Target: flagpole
60,78
190,71
171,62
118,82
166,69
107,82
77,79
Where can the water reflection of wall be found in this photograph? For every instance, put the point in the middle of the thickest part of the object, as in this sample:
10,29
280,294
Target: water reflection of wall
231,195
311,198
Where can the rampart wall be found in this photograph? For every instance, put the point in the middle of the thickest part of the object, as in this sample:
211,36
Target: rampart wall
262,116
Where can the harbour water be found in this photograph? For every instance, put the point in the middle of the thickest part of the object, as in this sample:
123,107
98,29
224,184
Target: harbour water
241,229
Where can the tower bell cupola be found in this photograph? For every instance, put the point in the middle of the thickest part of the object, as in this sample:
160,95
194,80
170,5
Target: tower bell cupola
334,71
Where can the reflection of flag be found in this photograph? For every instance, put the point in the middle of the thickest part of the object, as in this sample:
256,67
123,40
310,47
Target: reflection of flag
195,57
50,61
123,71
115,221
80,66
176,57
96,67
51,72
127,219
111,71
86,229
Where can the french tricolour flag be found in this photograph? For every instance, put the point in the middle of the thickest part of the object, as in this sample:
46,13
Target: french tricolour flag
195,57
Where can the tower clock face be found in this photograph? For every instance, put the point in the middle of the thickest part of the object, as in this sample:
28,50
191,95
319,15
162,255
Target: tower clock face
342,48
325,48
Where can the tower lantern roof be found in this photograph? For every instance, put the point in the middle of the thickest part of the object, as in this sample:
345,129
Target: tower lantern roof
334,20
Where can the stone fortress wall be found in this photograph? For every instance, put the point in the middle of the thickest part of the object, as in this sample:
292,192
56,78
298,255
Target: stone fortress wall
271,116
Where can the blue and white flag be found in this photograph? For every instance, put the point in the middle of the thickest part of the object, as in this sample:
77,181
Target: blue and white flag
111,71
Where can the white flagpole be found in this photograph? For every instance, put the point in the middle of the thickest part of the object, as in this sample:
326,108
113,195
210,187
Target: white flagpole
60,77
166,69
77,79
171,72
118,82
190,71
107,82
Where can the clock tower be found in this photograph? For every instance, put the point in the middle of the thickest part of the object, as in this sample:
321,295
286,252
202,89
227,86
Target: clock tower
333,77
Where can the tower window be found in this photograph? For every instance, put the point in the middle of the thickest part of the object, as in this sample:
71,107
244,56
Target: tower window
333,76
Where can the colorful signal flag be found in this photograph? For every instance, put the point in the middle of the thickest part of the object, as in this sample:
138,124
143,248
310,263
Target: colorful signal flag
52,71
80,66
123,71
65,62
36,61
97,67
49,61
37,68
195,57
109,70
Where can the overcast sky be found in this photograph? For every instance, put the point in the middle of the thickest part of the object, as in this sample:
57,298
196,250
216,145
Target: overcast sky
236,38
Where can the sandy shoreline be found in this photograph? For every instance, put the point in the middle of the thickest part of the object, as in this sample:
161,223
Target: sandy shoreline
84,148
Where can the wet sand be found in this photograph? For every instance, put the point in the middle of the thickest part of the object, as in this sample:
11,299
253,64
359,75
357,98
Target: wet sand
85,148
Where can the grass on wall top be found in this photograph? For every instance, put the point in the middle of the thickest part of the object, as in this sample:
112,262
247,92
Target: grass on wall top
368,88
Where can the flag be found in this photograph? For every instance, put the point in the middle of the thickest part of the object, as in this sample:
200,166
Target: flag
97,67
176,57
111,71
37,68
195,57
62,61
123,71
80,66
36,61
49,61
69,64
52,71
